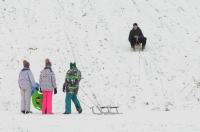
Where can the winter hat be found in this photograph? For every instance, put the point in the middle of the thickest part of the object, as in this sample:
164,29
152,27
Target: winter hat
72,65
135,24
47,63
26,64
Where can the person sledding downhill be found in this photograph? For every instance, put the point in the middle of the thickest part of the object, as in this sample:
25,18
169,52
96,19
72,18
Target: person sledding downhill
71,87
136,37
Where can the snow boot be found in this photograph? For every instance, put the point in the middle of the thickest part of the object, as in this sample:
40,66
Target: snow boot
143,47
66,113
28,112
79,110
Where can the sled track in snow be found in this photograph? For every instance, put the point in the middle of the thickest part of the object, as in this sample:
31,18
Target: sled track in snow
157,70
150,60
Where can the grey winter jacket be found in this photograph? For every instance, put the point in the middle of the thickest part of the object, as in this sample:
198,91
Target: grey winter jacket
47,79
26,79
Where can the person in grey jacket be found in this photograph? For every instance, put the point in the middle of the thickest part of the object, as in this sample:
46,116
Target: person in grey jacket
48,86
25,81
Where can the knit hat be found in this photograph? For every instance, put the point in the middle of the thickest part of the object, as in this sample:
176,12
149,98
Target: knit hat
47,63
135,24
26,64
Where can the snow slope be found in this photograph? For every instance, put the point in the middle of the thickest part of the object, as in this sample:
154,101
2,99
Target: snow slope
94,34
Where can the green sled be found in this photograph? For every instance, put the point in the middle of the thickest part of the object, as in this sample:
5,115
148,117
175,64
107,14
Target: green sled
37,100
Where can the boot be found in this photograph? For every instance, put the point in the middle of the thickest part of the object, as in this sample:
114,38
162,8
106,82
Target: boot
143,47
66,113
28,112
79,110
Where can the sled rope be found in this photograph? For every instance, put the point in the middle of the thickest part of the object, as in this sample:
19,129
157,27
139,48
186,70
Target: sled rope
94,103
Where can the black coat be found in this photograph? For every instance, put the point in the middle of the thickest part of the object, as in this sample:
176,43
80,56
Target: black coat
133,33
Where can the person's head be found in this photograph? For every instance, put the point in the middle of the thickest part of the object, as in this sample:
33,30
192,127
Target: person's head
26,64
135,26
72,65
47,63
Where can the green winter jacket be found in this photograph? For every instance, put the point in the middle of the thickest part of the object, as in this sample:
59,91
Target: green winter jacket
72,80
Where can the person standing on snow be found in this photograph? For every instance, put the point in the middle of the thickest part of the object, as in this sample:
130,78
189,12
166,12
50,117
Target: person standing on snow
48,86
136,36
71,87
25,81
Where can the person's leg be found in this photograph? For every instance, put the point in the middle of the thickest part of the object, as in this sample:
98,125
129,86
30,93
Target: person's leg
76,103
27,99
49,102
143,41
44,103
68,103
133,43
22,100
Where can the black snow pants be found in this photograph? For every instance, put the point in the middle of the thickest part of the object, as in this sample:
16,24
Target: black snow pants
140,40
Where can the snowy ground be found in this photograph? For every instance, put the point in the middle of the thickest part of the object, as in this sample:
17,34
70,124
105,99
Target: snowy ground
137,122
157,90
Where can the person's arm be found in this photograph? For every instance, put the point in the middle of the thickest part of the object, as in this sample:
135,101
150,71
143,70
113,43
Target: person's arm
130,36
40,80
141,34
77,87
30,75
19,81
53,80
79,75
67,82
64,87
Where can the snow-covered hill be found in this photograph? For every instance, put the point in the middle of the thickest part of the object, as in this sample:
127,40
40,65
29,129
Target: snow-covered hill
94,33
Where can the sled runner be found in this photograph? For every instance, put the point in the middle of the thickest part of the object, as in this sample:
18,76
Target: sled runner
105,110
137,47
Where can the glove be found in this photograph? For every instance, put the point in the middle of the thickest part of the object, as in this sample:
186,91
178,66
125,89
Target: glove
40,90
55,90
64,89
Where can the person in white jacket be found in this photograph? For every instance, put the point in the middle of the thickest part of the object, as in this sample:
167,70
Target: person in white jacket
26,80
